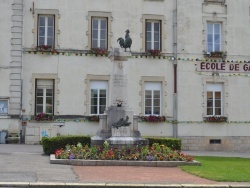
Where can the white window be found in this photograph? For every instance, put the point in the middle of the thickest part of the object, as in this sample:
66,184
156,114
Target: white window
213,37
152,98
98,96
153,41
44,96
3,107
214,99
99,33
46,30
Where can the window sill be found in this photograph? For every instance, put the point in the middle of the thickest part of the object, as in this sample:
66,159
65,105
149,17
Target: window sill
4,116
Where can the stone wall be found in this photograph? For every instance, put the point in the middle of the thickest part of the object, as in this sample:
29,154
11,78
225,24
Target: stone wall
227,143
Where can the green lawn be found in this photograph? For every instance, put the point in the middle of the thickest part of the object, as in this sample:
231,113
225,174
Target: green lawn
229,169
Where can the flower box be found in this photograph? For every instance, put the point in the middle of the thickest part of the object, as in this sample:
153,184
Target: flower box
153,53
215,119
98,51
152,119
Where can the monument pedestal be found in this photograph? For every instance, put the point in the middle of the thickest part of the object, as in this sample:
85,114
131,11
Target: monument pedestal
113,124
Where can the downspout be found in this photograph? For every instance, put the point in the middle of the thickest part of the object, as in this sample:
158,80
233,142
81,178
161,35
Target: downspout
175,96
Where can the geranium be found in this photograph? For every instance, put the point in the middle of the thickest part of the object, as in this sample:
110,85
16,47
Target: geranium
215,119
98,51
153,53
44,117
153,118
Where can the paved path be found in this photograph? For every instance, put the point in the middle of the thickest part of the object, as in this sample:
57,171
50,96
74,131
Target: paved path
26,163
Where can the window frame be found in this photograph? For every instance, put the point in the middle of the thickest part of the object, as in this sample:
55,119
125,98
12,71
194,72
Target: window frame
99,19
46,17
98,85
153,31
45,76
215,19
87,92
213,36
225,89
215,87
44,96
56,15
162,21
103,15
152,87
7,101
163,93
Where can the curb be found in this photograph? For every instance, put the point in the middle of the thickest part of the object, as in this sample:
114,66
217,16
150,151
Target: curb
82,162
115,185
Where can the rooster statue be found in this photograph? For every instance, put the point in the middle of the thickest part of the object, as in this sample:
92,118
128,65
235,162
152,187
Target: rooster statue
127,43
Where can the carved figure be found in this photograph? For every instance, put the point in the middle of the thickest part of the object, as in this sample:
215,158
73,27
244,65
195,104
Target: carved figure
127,42
121,123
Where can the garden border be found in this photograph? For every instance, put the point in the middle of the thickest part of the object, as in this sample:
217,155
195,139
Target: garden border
82,162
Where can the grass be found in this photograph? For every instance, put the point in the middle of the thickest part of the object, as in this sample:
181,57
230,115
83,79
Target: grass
229,169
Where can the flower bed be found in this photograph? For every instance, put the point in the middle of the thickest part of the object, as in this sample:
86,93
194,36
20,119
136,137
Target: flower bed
139,153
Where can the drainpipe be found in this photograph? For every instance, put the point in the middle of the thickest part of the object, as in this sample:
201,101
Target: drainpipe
175,96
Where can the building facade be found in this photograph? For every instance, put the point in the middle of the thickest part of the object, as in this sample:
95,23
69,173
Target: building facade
188,74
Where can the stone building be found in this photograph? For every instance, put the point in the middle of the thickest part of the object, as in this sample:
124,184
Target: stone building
199,82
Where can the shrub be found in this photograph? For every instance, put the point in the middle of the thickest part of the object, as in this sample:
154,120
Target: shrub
50,145
173,143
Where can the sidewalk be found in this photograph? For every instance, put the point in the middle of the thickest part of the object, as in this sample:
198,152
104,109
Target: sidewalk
26,166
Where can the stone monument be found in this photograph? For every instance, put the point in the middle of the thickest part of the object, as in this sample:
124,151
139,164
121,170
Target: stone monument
118,125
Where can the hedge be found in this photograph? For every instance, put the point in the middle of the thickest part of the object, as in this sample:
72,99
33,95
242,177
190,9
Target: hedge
173,143
50,145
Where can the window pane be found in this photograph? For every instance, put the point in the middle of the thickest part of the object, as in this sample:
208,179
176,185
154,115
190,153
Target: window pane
102,93
94,93
49,92
157,110
156,37
93,110
103,34
156,102
210,38
95,34
49,100
209,111
94,43
157,27
217,38
41,21
103,44
39,109
217,111
156,45
148,37
95,24
217,47
148,94
103,101
39,92
148,102
49,110
51,21
39,100
93,101
103,24
41,31
210,47
147,110
217,103
209,28
217,28
210,95
148,26
102,109
156,94
3,107
50,31
217,95
209,103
